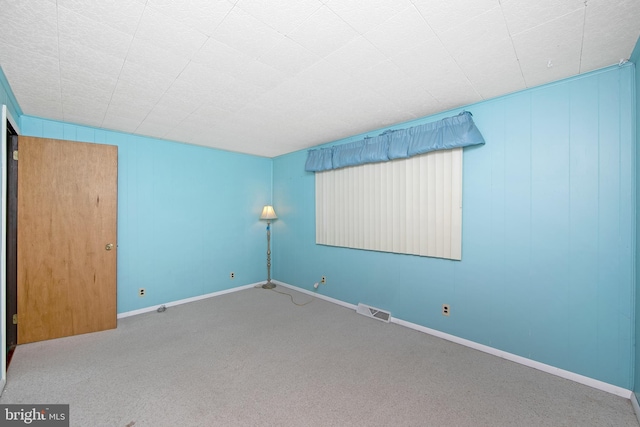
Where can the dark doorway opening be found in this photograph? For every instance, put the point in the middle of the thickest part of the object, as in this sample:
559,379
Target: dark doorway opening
11,308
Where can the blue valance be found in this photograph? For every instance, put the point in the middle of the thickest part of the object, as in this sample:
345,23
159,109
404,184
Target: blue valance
451,132
348,154
320,159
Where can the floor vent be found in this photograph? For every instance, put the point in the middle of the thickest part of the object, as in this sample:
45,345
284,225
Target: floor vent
374,313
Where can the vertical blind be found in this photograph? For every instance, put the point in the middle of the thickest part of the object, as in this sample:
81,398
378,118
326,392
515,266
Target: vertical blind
400,191
410,206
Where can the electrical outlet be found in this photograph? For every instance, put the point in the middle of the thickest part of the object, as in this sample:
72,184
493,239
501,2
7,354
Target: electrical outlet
446,310
142,292
232,275
323,280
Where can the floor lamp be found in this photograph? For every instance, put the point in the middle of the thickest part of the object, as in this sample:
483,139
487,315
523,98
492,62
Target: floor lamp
267,215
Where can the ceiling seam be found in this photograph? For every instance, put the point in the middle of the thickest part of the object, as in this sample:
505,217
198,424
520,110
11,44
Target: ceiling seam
448,52
388,58
513,45
584,26
190,61
551,20
124,60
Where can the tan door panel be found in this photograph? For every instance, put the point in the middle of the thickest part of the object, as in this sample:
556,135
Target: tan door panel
67,211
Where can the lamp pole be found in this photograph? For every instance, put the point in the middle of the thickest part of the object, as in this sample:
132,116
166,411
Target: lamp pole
268,285
267,215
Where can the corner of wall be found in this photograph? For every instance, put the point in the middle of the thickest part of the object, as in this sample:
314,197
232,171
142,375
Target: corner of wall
11,101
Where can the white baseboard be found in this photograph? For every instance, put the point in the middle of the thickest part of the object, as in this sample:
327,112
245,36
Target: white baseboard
597,384
317,295
185,301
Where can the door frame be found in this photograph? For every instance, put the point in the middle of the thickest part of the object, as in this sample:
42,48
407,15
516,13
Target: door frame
5,116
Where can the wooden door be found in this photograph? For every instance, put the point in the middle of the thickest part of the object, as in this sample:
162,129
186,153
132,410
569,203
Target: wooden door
67,202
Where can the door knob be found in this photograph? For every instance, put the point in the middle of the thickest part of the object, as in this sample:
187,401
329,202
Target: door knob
108,246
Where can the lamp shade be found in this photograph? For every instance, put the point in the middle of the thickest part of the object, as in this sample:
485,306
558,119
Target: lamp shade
268,213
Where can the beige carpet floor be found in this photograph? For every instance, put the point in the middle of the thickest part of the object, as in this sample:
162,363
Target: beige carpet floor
252,358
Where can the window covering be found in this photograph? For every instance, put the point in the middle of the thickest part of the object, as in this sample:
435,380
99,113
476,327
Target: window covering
348,155
450,132
320,159
410,206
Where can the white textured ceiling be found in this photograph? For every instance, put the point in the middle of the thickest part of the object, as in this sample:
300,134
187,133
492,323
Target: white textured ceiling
268,77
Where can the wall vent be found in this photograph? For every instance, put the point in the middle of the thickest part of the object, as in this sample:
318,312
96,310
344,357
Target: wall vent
374,313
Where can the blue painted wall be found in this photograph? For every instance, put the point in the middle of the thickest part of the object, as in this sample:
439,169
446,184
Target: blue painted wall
635,58
187,215
548,233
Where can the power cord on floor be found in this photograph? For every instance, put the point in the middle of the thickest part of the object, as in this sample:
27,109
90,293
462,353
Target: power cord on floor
290,296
